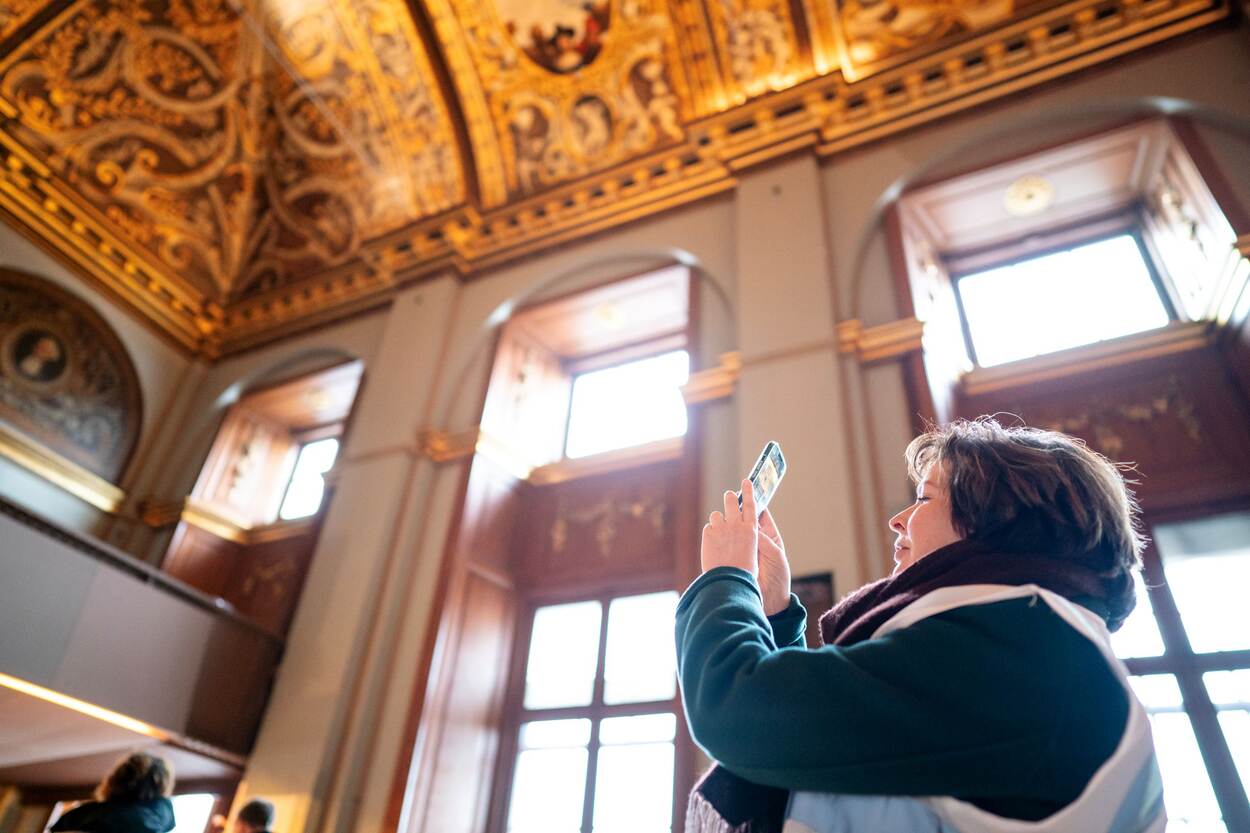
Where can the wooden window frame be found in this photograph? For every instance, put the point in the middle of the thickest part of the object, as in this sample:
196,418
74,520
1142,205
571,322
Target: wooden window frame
516,714
1187,667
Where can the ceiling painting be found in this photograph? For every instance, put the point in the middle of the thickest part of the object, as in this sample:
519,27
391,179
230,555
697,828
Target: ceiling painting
235,170
559,35
606,86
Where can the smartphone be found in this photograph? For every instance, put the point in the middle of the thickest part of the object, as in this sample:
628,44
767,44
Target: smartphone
765,476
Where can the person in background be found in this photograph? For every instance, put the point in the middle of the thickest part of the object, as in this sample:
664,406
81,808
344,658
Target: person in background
132,798
972,691
256,816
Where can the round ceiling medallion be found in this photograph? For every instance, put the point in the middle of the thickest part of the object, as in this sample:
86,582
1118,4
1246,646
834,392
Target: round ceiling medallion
1028,195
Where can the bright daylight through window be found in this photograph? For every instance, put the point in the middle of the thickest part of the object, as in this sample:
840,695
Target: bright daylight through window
627,405
303,495
1077,296
627,732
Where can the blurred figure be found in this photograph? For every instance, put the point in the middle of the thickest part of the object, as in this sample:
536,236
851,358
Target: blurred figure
133,798
256,816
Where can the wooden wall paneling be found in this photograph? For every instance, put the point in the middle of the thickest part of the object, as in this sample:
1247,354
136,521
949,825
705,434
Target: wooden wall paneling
610,529
269,579
201,559
227,708
459,787
1179,418
452,739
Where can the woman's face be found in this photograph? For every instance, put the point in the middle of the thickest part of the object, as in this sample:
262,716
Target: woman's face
926,525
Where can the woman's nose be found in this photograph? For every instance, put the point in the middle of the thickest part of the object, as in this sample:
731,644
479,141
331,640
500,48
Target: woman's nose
899,522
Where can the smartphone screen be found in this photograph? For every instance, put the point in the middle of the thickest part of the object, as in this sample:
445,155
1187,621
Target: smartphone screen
766,475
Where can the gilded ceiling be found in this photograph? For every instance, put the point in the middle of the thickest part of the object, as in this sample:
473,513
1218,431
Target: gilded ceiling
236,169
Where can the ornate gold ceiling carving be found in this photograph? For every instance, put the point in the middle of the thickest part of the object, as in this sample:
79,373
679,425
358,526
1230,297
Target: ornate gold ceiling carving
237,169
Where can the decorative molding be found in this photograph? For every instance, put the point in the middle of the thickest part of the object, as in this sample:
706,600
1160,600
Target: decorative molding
883,341
1103,420
609,461
698,157
214,520
714,382
219,521
281,530
1180,337
65,474
446,447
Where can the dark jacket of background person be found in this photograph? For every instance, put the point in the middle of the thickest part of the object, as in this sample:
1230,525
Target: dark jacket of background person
156,816
132,798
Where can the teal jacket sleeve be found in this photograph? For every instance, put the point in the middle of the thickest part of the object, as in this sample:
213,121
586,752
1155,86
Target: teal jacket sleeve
790,625
979,702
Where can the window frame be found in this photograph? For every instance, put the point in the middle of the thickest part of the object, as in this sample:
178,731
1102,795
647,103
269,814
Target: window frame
638,352
1187,666
1053,242
302,439
515,714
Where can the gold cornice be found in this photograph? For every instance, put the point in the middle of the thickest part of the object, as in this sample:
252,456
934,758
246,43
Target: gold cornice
219,521
609,461
281,530
1038,49
445,447
714,382
215,520
1180,337
212,519
65,474
883,341
58,220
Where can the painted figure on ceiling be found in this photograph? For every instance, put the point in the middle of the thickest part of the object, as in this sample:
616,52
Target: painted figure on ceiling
559,35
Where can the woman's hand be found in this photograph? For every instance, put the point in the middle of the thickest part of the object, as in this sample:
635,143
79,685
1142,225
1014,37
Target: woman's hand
774,568
731,539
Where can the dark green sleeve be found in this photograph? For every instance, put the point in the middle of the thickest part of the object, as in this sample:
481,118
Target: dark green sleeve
789,625
985,701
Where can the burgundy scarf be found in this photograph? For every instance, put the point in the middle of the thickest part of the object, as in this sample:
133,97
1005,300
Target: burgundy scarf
724,803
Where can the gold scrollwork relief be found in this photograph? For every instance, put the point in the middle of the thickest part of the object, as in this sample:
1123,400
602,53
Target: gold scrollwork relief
758,40
14,13
1102,422
605,515
873,30
234,163
555,124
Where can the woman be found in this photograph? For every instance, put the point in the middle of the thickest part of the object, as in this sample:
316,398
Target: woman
972,691
133,798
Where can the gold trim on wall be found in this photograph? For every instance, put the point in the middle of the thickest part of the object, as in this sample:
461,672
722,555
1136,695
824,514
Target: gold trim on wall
447,447
714,382
608,461
65,474
219,521
1178,337
883,341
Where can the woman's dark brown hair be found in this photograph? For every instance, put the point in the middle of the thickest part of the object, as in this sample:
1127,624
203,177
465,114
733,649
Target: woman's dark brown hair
137,777
1025,490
